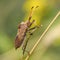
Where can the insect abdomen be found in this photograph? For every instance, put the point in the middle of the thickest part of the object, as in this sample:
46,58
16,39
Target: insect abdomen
18,42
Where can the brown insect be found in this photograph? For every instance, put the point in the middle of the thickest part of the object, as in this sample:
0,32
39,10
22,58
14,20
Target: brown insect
23,28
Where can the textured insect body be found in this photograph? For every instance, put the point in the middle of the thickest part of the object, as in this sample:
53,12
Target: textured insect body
23,28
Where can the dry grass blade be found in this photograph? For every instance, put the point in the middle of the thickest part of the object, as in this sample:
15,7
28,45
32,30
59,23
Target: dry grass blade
42,35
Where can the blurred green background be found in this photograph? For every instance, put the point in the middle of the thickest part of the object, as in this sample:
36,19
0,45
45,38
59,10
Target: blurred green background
13,12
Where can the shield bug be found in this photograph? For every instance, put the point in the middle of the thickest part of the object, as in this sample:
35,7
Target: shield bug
23,28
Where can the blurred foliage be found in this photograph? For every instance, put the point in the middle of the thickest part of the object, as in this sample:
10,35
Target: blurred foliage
13,12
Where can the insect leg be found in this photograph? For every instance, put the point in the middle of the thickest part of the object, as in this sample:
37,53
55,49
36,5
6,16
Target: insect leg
33,28
25,44
26,41
24,47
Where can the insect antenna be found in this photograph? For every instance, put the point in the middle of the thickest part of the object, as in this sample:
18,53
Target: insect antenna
31,12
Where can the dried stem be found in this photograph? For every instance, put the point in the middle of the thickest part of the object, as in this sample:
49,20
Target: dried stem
42,35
